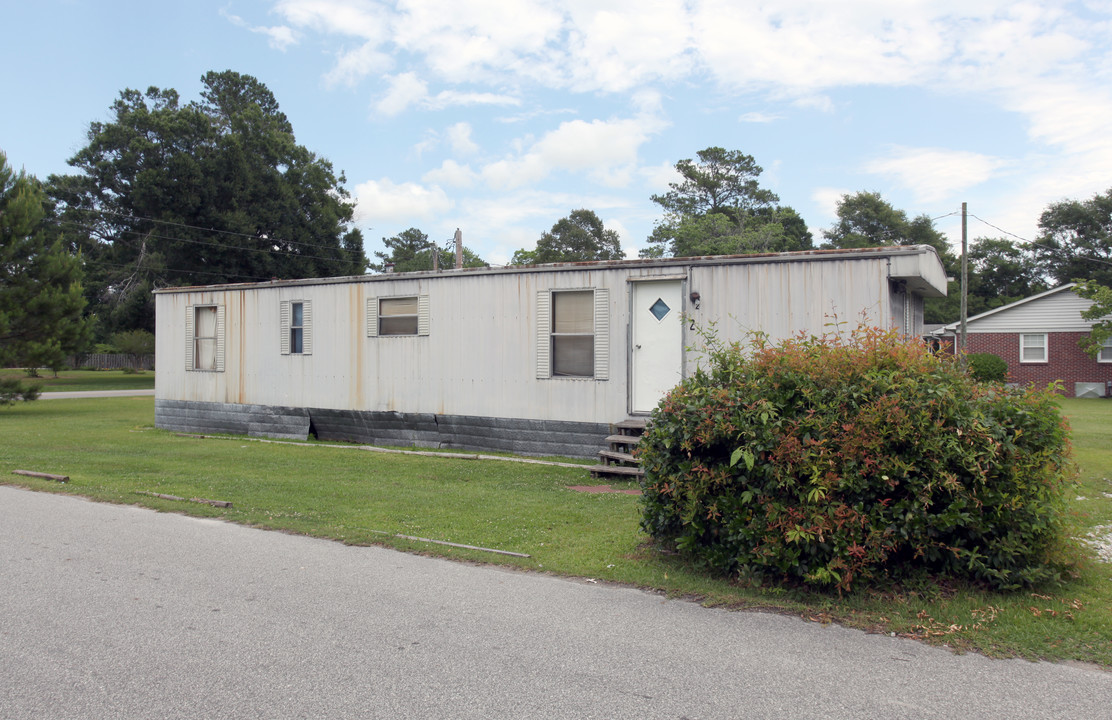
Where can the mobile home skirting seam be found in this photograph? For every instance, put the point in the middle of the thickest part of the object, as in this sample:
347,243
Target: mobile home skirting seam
516,435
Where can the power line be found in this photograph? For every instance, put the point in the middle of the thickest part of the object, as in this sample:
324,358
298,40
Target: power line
273,250
129,216
180,271
994,227
1088,258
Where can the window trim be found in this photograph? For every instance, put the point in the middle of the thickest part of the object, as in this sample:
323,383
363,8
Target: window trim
600,334
1045,349
286,327
1105,348
191,338
424,322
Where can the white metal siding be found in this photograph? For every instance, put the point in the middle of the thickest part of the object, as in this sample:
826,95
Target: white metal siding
489,341
782,299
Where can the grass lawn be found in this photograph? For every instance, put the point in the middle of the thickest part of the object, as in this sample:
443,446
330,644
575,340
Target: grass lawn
111,452
80,380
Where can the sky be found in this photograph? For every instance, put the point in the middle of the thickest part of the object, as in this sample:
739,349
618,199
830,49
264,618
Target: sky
500,117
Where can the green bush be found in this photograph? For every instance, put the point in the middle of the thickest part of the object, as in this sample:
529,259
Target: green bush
831,462
987,367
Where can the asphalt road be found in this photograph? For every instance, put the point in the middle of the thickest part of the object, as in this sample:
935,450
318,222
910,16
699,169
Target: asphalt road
120,612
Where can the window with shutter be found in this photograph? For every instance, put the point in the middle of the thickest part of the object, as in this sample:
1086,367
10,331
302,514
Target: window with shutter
405,316
573,334
295,321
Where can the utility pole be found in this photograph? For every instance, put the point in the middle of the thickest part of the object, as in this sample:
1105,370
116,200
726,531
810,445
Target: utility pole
459,249
964,279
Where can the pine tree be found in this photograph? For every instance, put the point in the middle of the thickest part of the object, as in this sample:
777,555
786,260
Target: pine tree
41,300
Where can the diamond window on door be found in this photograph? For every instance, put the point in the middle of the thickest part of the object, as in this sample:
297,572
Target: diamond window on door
660,309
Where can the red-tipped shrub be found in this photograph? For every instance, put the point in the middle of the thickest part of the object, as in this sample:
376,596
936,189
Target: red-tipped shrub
830,461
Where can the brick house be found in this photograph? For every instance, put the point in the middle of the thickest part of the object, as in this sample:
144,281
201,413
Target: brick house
1038,337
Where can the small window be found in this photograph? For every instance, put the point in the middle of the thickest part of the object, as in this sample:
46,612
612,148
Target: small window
204,338
296,327
1032,348
573,334
204,332
1105,355
398,316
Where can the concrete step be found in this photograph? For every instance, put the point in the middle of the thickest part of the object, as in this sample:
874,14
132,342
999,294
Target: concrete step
623,439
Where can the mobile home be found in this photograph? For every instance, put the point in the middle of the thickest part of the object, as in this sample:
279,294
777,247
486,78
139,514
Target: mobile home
532,360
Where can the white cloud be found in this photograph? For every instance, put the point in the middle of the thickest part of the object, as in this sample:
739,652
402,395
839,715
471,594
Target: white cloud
459,137
353,65
405,90
814,101
470,41
515,220
427,144
452,174
792,48
828,198
281,36
383,201
657,177
759,117
343,17
614,46
935,174
606,150
1044,60
800,49
452,98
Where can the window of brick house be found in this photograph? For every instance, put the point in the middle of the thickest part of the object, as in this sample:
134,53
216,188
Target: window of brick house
1033,348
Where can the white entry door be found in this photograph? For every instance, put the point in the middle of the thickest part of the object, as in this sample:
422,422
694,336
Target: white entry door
657,336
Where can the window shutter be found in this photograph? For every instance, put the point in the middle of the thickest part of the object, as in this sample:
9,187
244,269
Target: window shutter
544,337
190,352
602,334
306,327
219,338
284,327
372,317
422,314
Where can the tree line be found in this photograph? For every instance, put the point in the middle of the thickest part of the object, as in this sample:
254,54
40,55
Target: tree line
217,190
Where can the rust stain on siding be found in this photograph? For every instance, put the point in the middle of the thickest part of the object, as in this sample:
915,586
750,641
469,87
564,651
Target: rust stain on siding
356,305
241,379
